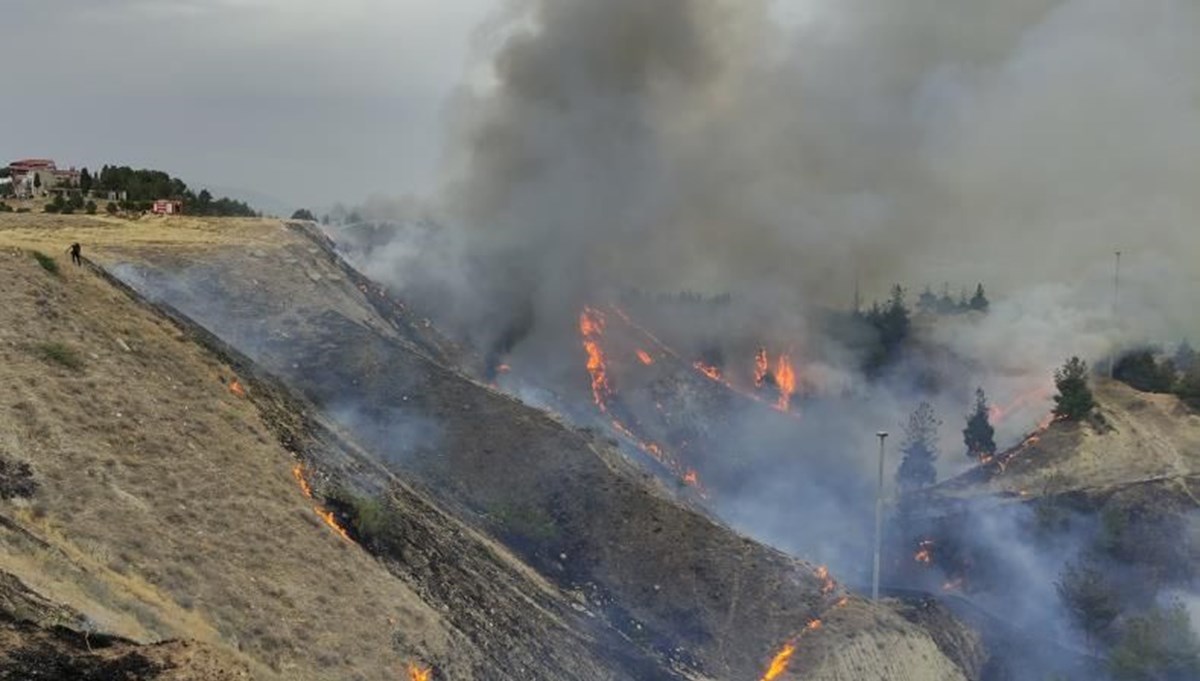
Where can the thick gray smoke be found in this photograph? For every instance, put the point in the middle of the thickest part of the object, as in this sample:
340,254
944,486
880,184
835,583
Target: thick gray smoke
702,145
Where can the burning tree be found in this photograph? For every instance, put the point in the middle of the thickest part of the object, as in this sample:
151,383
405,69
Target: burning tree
979,435
920,449
1074,400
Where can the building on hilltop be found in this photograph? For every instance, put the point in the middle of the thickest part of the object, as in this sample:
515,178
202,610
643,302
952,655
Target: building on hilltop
33,177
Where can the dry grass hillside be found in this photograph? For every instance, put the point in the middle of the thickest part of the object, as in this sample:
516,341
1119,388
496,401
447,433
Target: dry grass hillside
1138,438
164,506
172,512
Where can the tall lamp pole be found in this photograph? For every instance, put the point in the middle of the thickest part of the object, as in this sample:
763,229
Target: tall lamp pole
1112,362
882,435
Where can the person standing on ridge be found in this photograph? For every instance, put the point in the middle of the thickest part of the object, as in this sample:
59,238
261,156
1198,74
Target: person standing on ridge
76,258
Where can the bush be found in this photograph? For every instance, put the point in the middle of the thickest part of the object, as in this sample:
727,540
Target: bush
52,208
111,208
1139,370
304,214
62,355
90,207
1158,645
5,208
49,264
1089,597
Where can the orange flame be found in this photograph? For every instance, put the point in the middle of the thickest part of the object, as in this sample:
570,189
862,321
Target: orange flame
779,664
503,369
236,388
711,371
953,585
997,413
828,585
326,516
762,366
419,673
691,477
591,326
924,552
645,358
785,377
298,473
781,661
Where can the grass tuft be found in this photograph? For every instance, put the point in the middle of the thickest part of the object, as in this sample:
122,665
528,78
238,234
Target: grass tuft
62,355
49,264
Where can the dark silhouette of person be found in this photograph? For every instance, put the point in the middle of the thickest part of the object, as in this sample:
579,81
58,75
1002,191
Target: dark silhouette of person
76,258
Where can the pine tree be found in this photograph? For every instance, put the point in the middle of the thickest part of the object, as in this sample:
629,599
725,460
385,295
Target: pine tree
1185,356
979,301
37,180
928,302
979,435
920,449
85,181
1074,400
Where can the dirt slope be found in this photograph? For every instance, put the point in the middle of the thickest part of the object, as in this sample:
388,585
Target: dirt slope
604,542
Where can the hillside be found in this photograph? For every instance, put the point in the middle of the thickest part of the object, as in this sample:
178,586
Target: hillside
1138,438
174,494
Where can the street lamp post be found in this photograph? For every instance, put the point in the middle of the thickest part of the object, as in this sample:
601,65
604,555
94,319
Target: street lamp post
882,435
1112,362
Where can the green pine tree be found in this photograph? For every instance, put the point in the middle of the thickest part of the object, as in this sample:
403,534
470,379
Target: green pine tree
1074,400
979,436
920,449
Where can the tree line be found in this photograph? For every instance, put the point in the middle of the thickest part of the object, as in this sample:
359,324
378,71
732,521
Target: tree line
140,188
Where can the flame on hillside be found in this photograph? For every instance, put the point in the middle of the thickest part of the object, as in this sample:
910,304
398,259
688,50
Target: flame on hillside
762,367
783,659
711,371
327,516
591,327
236,388
997,413
592,324
785,379
924,554
779,664
418,673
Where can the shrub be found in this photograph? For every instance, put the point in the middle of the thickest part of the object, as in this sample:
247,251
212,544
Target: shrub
1139,370
1089,597
111,208
90,207
49,264
60,354
52,208
1158,645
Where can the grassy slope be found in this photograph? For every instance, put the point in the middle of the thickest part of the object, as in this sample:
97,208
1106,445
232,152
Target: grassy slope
167,507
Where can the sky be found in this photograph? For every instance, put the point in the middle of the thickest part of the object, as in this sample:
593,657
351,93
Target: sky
309,102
